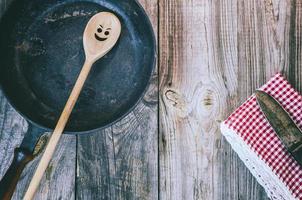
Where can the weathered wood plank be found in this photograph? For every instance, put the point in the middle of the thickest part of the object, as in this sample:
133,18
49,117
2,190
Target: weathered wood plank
59,181
213,56
121,162
257,56
12,130
293,67
94,166
191,91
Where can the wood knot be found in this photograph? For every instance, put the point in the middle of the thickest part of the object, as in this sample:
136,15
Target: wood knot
206,106
177,101
271,13
208,99
174,98
204,101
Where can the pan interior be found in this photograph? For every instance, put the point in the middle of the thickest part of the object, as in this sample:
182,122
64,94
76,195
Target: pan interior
43,55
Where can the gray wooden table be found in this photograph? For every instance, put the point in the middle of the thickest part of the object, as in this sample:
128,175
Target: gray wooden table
212,56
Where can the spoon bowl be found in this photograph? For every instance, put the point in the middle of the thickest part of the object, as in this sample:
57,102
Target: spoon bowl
100,35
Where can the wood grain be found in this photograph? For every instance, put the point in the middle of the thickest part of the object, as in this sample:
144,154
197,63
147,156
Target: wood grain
213,56
58,181
293,69
12,130
62,167
121,162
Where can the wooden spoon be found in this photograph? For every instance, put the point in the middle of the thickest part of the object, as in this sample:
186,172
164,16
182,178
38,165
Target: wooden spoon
100,35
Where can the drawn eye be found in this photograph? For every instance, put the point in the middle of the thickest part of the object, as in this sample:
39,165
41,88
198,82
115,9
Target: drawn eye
106,32
99,30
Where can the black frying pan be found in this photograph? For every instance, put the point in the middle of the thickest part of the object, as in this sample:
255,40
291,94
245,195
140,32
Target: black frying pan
42,54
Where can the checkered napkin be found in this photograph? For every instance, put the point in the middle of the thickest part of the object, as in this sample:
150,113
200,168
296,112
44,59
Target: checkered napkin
256,143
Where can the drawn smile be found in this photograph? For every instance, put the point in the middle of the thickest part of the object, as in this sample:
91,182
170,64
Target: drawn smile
99,38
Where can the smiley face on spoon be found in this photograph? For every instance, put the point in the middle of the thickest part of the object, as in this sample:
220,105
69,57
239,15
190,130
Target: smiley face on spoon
103,33
100,35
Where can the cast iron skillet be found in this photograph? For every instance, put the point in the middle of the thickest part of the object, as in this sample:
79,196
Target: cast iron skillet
42,54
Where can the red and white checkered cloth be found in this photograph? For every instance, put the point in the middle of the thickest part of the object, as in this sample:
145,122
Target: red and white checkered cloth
264,154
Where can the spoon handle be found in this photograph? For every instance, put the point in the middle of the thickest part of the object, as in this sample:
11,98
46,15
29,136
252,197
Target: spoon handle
54,139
